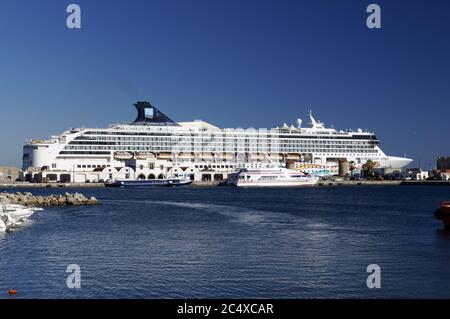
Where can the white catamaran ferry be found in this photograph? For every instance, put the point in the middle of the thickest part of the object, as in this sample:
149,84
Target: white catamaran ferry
271,177
156,147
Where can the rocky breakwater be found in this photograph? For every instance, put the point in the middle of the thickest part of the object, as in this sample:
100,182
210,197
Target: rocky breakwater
30,200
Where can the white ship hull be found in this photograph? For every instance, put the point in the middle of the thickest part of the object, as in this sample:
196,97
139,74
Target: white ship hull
309,182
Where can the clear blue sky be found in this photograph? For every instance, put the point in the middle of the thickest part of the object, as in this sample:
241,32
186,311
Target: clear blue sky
233,63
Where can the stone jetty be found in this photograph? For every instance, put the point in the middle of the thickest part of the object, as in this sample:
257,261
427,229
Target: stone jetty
30,200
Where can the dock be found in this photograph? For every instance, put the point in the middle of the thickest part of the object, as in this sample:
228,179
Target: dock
426,183
358,183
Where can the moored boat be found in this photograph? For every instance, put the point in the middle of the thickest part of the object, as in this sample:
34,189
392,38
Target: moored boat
19,212
12,216
166,182
271,177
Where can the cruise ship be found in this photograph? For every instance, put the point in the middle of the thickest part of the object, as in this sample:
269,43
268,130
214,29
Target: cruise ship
155,146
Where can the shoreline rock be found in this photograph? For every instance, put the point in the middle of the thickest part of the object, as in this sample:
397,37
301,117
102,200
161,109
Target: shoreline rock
30,200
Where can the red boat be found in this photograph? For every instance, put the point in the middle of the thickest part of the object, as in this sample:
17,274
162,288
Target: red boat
443,213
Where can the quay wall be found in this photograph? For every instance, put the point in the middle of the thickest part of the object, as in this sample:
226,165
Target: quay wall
195,184
216,183
429,183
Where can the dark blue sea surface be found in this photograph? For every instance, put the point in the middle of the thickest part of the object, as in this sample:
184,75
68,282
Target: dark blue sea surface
223,242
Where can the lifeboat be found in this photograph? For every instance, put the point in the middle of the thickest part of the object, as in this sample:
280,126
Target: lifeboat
443,213
257,156
145,155
123,155
164,155
275,156
186,155
228,156
292,156
206,155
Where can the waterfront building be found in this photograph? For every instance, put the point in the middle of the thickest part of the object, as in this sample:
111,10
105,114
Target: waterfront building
155,146
445,176
443,163
9,174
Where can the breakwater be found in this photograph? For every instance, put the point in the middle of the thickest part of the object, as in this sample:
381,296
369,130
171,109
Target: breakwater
30,200
51,185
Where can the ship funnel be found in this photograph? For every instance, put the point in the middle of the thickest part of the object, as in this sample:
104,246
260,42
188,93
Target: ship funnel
148,114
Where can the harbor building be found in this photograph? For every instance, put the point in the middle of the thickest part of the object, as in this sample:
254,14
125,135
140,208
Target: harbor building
9,174
155,146
443,163
443,168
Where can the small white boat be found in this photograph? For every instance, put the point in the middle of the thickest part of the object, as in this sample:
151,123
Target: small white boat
12,215
271,177
2,224
9,221
19,212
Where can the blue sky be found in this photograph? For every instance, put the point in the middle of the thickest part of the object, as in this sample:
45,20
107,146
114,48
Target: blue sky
234,63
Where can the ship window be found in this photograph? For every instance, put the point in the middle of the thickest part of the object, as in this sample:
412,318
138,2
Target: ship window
267,178
149,113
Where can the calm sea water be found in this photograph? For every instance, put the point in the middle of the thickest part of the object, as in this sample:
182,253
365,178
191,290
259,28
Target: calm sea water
234,243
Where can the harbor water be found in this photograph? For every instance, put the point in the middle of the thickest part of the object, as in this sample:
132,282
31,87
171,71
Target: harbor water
223,242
